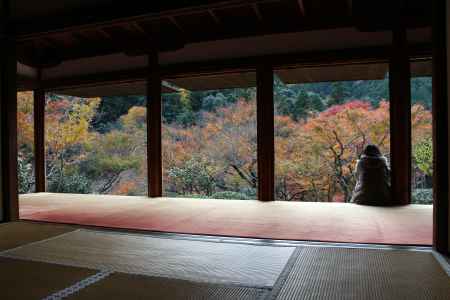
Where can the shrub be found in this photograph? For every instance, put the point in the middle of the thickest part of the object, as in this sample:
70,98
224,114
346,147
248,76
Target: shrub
230,195
69,183
25,175
422,196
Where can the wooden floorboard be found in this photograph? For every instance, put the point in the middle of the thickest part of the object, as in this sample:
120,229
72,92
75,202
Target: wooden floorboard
313,221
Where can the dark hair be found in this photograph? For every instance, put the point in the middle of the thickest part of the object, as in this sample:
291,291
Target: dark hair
372,150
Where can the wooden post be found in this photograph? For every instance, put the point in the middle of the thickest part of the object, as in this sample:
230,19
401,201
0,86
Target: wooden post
8,119
441,111
154,160
39,140
400,118
265,133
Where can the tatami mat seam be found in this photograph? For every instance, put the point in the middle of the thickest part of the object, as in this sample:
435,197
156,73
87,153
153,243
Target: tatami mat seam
2,253
79,285
283,275
263,242
5,253
199,238
233,239
443,262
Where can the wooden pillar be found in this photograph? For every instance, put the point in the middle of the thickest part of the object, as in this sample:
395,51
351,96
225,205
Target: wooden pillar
154,160
39,140
400,118
441,130
8,119
265,133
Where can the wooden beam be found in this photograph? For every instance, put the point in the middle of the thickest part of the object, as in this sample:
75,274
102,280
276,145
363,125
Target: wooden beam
174,21
312,59
8,119
301,7
119,16
154,153
103,32
166,41
39,140
265,133
400,118
118,77
300,59
441,129
131,42
139,28
214,17
257,12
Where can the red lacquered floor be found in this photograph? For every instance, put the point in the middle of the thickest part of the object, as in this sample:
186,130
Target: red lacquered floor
333,222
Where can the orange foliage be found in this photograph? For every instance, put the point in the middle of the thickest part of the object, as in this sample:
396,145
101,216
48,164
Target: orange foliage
125,188
25,133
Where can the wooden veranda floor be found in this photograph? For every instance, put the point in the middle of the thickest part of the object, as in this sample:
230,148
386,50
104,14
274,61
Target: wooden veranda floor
333,222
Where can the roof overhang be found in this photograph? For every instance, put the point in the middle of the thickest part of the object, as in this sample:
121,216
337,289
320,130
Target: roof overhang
113,47
113,27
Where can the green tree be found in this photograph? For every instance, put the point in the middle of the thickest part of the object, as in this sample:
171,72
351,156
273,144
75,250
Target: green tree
25,175
302,106
111,109
306,104
194,177
338,93
423,156
121,150
67,135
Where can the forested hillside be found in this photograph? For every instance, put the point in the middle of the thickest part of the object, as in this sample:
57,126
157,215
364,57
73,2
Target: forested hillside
209,141
322,95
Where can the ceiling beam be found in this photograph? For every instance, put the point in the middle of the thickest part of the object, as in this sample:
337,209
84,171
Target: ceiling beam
26,32
139,28
301,7
43,43
257,12
214,16
301,59
132,45
349,7
104,33
119,42
174,21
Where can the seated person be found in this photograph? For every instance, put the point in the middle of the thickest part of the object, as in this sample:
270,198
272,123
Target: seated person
373,185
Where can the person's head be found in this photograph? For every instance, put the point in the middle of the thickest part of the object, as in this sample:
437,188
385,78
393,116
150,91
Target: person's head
371,150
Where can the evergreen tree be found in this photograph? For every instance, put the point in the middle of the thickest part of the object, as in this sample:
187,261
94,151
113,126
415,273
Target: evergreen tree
316,103
112,108
306,104
338,93
302,106
172,107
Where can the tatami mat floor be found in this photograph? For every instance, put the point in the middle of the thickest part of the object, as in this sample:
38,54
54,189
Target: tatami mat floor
313,271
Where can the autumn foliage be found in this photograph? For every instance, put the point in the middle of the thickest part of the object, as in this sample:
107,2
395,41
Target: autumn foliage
211,151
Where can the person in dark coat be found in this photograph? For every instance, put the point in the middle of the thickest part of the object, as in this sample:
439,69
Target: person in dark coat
373,185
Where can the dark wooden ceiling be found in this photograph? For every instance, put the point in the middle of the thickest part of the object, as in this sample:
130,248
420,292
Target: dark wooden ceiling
49,40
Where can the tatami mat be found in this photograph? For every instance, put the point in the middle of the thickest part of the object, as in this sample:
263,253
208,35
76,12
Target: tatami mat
23,280
16,234
47,260
127,286
342,273
227,263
